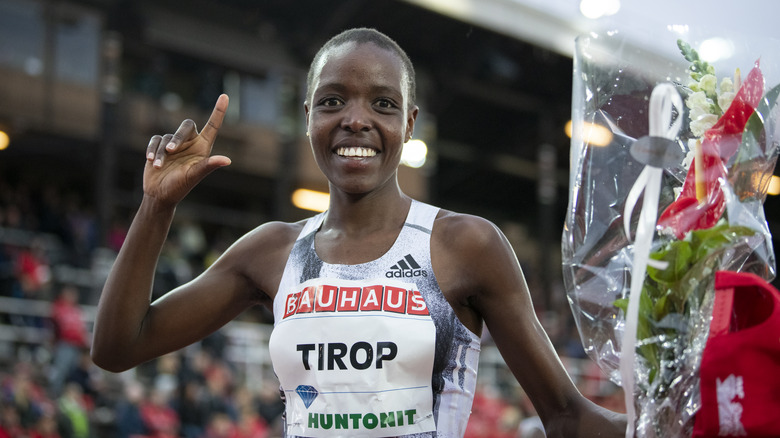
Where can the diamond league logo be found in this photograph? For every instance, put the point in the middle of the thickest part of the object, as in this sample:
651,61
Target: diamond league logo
307,393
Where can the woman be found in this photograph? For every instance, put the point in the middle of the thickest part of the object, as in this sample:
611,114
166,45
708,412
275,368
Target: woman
378,302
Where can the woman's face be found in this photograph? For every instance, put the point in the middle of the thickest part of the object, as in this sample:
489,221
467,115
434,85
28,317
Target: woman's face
358,117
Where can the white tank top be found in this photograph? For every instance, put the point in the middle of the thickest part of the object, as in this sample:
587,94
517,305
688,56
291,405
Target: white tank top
373,349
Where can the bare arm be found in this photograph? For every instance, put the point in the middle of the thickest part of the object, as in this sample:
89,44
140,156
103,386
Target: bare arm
128,328
497,291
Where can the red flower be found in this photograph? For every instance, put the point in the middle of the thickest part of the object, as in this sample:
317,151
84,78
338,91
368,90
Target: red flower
719,144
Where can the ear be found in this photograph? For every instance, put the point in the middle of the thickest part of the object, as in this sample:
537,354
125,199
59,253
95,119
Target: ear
306,112
410,119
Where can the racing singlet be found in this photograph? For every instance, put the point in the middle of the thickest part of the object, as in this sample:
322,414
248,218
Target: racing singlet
373,349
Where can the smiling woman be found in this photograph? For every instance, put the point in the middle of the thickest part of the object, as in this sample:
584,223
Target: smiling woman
358,118
378,302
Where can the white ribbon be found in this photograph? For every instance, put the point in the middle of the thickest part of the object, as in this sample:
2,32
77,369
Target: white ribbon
662,124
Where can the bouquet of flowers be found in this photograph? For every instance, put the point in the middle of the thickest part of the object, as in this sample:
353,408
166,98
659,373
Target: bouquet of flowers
699,158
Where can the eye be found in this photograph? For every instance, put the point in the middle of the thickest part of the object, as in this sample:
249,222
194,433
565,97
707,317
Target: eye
330,101
385,103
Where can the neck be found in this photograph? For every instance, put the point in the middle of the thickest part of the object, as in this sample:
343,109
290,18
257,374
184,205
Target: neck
367,213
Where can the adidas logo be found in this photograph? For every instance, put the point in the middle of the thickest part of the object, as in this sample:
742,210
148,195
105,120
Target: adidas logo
405,268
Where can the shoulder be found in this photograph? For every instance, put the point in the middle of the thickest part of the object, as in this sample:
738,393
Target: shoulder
276,233
465,231
268,236
261,254
469,253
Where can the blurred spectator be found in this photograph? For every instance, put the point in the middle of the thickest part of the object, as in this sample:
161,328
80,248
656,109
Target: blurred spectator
192,408
491,416
47,425
83,228
117,233
269,403
51,215
33,272
71,404
128,411
7,270
10,423
219,383
220,425
166,374
22,393
249,424
88,377
215,344
572,345
160,419
173,269
70,337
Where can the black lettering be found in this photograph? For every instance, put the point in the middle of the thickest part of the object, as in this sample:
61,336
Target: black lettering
305,349
380,355
353,353
335,356
320,356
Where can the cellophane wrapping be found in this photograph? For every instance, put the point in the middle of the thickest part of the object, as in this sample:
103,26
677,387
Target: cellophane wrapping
723,227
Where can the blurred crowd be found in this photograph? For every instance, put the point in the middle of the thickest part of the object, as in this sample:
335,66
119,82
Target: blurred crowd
49,388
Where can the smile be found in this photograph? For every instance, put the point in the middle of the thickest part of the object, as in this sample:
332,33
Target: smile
355,152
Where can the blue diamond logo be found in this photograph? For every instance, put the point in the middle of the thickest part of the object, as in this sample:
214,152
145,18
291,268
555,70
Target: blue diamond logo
308,393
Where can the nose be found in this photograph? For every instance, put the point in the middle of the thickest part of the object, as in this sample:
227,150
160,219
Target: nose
356,118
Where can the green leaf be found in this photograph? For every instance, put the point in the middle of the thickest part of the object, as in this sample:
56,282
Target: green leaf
622,304
687,51
698,66
678,254
709,241
645,330
661,308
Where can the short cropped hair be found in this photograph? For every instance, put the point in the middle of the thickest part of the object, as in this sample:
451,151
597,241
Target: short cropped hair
361,36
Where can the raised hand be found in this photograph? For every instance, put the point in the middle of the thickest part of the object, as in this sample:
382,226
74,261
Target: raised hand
175,163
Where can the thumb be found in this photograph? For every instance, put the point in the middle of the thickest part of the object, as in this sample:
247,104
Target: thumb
208,165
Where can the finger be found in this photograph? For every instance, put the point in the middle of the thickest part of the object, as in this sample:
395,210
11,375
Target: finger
159,156
151,148
215,121
187,130
209,165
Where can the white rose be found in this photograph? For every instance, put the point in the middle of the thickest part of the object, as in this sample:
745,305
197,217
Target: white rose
698,105
698,100
726,85
708,83
701,124
725,99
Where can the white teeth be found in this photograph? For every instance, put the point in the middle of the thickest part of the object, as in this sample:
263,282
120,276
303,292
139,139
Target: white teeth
358,152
